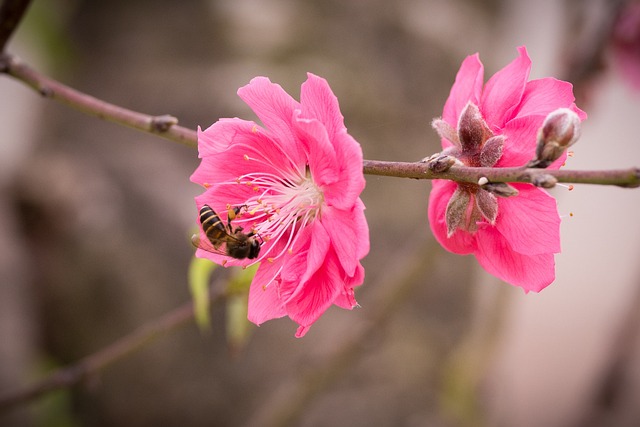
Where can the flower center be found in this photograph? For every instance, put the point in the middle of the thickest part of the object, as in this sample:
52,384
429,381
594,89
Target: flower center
283,205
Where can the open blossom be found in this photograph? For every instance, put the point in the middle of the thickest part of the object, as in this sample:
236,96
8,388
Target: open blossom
513,237
294,185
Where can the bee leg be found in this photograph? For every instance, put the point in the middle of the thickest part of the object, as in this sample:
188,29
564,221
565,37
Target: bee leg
232,213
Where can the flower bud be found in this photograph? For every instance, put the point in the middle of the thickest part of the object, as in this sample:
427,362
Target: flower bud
472,129
500,189
440,162
544,181
560,130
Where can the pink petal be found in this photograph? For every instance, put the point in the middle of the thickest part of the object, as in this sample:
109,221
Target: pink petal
339,175
217,137
467,87
294,267
503,91
520,143
363,228
346,299
319,150
529,221
578,111
302,331
560,161
251,151
319,102
543,96
219,196
264,302
318,293
349,235
275,109
313,249
530,272
345,191
461,242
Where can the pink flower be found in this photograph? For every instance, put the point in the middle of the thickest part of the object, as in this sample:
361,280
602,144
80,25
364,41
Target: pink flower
514,238
295,185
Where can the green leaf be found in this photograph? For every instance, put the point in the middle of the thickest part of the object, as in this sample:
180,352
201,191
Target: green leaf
238,326
200,271
241,280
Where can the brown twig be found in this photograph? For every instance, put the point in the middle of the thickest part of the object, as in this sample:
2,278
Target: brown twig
629,177
165,126
11,13
94,364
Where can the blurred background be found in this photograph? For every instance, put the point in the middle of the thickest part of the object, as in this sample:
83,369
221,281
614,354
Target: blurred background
95,222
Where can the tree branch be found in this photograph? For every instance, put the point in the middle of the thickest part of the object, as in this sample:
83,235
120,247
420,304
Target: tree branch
94,364
629,178
166,127
11,13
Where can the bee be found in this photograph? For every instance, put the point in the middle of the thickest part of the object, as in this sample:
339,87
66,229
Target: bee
238,244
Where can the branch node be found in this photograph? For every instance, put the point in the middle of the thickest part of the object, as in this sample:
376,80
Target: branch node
439,163
45,92
163,123
544,180
633,183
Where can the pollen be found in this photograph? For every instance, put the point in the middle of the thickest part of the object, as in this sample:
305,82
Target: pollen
282,204
246,157
569,187
206,185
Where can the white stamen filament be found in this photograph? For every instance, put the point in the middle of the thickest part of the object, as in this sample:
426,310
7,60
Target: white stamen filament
285,203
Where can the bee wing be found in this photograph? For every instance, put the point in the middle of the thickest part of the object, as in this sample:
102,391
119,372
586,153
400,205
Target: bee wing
201,241
216,253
